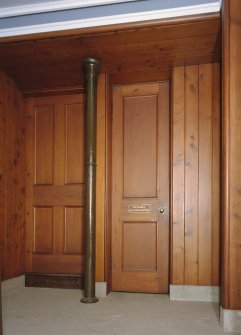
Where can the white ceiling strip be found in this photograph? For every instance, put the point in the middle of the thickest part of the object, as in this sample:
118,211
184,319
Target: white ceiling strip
111,20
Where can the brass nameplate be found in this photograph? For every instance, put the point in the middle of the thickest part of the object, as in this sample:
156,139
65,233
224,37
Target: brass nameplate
139,208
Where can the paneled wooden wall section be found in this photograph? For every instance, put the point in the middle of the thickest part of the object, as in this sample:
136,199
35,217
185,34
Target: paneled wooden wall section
195,204
12,178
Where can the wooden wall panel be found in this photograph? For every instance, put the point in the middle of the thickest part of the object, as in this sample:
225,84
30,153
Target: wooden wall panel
191,174
231,158
177,172
12,178
195,175
101,175
205,175
216,186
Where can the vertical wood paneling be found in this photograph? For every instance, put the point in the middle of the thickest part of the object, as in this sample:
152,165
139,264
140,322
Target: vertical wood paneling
205,174
101,175
191,174
216,178
231,157
23,186
29,181
16,242
178,149
12,181
2,168
9,173
195,175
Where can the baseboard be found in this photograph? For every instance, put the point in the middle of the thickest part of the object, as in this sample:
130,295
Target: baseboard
230,320
54,280
51,281
62,281
101,289
13,284
195,293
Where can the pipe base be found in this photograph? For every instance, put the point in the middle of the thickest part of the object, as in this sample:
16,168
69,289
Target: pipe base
91,300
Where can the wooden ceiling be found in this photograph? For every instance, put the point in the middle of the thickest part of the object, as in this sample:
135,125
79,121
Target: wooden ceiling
127,54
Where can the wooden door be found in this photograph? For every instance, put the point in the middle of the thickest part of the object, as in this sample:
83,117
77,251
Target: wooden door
55,184
140,188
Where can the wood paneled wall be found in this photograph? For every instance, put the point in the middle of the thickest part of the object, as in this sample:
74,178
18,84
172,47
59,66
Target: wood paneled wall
12,179
195,205
231,158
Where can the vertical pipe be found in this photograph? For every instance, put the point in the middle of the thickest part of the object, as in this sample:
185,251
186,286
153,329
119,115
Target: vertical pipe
91,68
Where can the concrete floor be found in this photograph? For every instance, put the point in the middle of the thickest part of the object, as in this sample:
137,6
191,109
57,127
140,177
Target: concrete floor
39,311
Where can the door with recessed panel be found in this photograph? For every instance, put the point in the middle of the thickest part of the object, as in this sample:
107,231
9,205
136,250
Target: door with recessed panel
140,188
55,184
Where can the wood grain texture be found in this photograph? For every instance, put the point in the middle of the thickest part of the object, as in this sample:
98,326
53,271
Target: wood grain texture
231,158
108,183
216,185
67,190
55,198
195,175
205,174
191,174
125,53
101,176
178,176
140,159
12,178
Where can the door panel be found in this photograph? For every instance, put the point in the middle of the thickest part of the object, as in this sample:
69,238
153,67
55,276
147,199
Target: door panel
139,125
55,184
140,187
43,230
44,148
74,225
139,258
74,145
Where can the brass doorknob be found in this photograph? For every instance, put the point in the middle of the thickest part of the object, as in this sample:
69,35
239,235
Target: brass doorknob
161,210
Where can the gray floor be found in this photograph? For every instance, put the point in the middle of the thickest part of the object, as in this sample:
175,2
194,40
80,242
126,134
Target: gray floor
39,311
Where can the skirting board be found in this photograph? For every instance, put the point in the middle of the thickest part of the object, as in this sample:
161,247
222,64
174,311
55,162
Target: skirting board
195,293
50,281
230,320
101,289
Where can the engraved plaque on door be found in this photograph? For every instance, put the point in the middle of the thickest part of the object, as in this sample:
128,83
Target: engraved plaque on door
139,208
